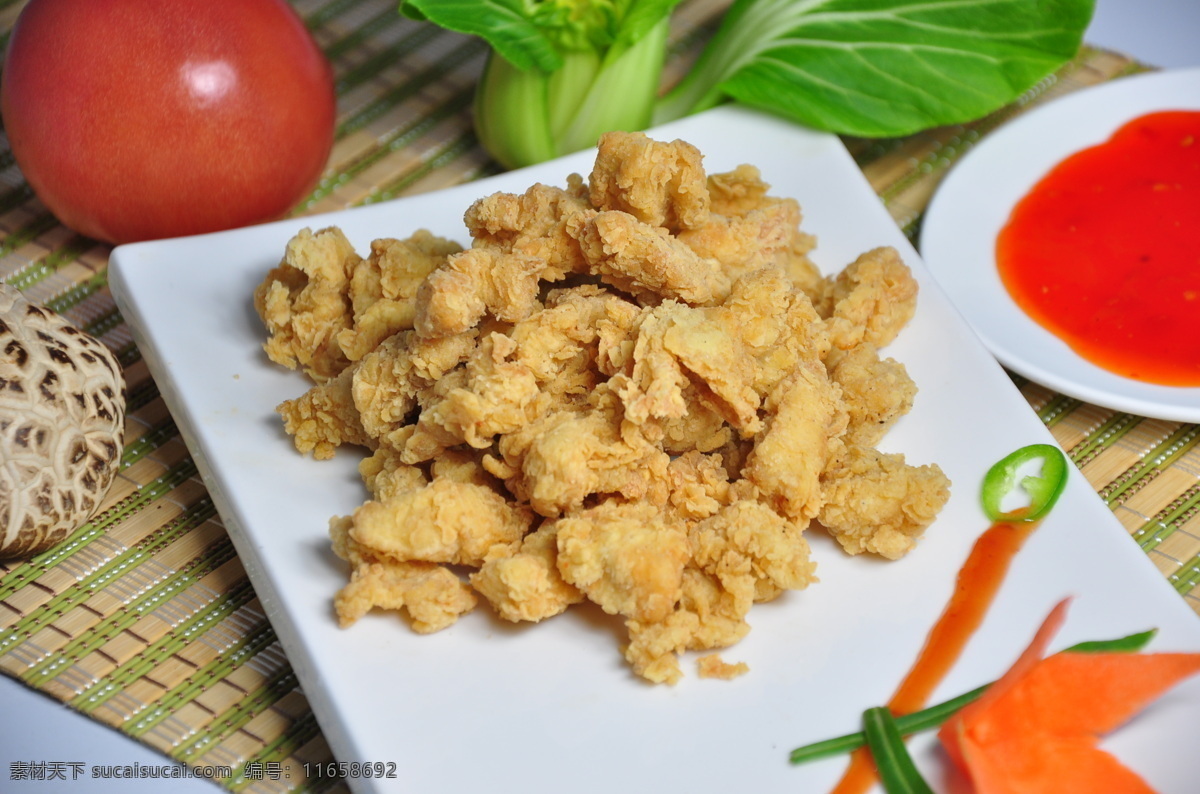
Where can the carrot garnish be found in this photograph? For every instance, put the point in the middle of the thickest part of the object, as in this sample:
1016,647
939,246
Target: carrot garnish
1037,729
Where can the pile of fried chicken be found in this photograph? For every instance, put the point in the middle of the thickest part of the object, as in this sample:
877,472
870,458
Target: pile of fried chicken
637,390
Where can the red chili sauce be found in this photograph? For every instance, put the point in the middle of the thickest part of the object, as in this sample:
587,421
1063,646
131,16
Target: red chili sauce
974,590
1104,252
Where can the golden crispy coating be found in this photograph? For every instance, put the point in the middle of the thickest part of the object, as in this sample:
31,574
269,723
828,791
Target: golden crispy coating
713,666
567,456
627,558
778,325
701,429
661,184
497,396
583,333
533,224
876,392
383,288
385,475
699,485
445,521
877,502
740,193
324,417
788,457
527,585
638,392
475,282
745,243
463,465
708,616
678,347
303,303
713,356
737,192
346,547
647,262
388,380
871,299
431,594
746,542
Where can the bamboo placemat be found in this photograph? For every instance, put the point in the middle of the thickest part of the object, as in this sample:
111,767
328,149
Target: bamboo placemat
144,619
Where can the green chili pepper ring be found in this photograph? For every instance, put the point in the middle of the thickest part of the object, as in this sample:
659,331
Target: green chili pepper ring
1043,488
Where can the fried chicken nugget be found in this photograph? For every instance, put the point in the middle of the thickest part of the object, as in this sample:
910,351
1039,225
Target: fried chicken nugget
550,358
661,184
654,388
647,262
445,521
431,594
788,457
325,417
566,456
304,305
876,502
519,241
678,347
385,475
711,352
738,193
478,281
870,300
527,586
533,224
752,550
388,380
497,396
876,392
463,465
699,485
581,332
383,288
626,557
708,616
701,428
744,243
776,323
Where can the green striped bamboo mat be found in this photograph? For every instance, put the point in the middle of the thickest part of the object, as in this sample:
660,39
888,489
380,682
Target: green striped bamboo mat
144,619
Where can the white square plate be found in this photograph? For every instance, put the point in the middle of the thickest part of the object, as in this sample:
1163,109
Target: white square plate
490,706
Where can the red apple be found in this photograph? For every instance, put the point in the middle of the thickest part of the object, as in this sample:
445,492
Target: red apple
142,119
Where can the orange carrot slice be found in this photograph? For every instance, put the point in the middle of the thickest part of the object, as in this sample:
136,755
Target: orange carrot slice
1028,658
1036,730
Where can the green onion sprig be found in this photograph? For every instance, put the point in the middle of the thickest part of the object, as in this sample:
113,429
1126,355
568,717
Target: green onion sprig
897,771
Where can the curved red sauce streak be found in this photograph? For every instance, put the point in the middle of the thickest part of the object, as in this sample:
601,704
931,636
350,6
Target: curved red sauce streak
1104,252
974,590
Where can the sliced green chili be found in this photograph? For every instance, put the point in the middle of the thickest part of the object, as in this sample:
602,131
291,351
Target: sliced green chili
1043,488
896,769
934,716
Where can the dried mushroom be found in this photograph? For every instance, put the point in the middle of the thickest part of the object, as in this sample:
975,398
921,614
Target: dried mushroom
62,423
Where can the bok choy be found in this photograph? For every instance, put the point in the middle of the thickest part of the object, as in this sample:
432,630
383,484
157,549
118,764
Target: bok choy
562,72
